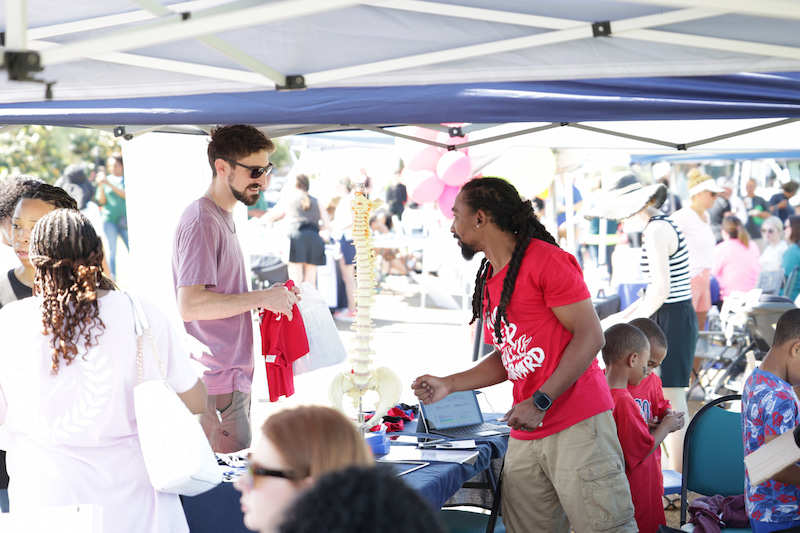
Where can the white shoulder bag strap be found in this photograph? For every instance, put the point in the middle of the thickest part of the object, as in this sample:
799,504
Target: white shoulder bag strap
142,326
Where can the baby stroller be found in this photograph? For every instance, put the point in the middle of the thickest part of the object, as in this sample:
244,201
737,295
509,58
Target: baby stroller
268,269
744,329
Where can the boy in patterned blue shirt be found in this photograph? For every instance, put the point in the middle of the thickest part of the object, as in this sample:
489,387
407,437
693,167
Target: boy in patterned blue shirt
769,409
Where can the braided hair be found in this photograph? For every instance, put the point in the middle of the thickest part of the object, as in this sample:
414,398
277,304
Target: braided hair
67,254
55,196
501,201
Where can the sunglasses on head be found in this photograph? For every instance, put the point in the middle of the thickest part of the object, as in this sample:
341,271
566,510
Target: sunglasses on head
255,172
254,470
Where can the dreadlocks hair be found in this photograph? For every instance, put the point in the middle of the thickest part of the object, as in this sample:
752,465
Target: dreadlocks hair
55,196
11,189
67,254
501,201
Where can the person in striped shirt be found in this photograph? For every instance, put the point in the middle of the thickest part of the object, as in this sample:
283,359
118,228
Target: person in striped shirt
667,299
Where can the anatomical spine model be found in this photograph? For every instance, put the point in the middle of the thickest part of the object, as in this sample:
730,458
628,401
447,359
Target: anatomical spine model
361,377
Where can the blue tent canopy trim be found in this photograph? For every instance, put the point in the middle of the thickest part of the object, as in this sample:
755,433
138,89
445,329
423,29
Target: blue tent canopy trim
775,95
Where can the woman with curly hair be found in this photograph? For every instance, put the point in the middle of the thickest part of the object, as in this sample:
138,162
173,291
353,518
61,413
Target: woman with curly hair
67,373
297,446
35,200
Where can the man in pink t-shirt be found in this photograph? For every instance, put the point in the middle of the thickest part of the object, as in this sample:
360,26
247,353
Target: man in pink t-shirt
564,466
211,282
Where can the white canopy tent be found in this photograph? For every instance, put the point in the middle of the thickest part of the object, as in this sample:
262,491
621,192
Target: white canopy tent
140,65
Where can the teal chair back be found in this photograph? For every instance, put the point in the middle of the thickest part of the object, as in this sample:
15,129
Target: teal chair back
791,281
713,453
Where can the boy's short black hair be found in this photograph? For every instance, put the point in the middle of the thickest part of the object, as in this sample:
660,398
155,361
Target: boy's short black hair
622,340
653,331
788,327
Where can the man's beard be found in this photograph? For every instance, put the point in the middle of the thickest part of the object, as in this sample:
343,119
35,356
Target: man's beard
242,196
467,252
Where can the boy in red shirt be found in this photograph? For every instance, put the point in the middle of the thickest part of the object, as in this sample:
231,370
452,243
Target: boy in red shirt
626,354
648,394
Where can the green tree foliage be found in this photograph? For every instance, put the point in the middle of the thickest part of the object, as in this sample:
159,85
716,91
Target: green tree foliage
281,158
44,151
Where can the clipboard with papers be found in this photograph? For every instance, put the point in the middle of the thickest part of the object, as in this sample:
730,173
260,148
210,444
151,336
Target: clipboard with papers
406,454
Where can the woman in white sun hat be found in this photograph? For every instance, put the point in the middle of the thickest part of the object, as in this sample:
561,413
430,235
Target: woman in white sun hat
667,299
695,224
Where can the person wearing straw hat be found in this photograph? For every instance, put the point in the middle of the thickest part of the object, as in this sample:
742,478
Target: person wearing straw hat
667,299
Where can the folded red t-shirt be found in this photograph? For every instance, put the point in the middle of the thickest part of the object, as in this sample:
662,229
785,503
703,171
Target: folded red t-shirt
283,341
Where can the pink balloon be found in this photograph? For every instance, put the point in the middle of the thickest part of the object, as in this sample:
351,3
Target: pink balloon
407,148
424,186
423,158
445,138
446,201
454,168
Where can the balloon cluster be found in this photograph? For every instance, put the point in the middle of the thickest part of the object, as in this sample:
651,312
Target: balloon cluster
431,173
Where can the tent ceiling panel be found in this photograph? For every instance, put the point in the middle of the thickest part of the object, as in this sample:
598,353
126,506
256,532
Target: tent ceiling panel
376,43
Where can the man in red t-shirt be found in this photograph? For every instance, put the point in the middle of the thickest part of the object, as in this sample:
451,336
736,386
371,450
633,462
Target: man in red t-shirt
564,465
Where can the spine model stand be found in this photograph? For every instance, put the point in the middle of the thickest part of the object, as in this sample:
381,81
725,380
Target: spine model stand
361,378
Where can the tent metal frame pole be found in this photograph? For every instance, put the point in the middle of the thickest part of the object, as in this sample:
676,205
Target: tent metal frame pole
765,8
218,44
398,135
623,135
574,30
199,23
16,25
379,129
742,132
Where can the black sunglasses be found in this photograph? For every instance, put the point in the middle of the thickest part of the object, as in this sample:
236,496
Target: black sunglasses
253,470
255,172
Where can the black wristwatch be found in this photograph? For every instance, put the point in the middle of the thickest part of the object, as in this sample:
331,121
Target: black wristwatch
542,401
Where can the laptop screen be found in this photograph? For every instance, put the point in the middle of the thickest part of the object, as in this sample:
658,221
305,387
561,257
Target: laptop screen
456,410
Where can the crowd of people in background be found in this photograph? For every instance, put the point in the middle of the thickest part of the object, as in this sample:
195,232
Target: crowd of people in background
735,230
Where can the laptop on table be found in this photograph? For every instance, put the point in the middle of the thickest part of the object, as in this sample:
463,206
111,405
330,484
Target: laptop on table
458,416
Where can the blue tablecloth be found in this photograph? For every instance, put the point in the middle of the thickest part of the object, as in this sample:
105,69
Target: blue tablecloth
439,483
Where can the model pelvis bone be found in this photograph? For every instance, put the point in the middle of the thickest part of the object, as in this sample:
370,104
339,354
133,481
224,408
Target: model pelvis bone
381,380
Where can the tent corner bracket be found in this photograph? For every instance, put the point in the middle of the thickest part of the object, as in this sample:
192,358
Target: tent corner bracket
120,131
601,29
456,131
20,65
294,82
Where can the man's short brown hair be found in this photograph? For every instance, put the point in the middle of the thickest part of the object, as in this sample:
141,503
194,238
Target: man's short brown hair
236,142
